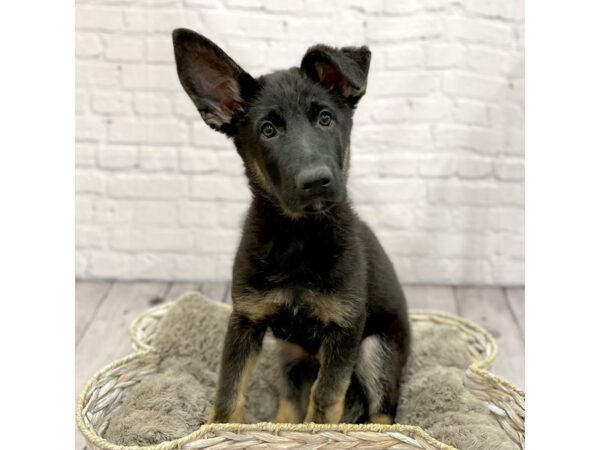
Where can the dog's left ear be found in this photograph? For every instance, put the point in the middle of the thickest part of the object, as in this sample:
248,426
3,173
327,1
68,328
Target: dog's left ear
343,70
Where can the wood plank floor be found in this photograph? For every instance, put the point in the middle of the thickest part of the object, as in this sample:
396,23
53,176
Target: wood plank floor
104,309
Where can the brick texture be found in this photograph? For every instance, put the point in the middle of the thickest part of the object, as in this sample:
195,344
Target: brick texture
438,144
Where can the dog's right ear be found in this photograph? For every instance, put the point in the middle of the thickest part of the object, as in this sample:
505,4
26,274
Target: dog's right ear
214,82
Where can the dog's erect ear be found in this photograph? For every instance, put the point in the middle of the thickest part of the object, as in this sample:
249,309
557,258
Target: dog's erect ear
342,70
214,82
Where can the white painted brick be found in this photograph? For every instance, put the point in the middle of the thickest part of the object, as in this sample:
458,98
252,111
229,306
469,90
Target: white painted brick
189,267
402,28
199,214
154,213
512,247
231,214
437,163
96,74
480,140
465,245
150,266
473,167
509,273
392,138
475,219
82,102
149,77
183,107
242,24
205,137
406,243
474,272
434,219
479,31
390,84
386,190
279,6
507,9
149,131
111,102
372,6
438,167
363,165
84,209
90,237
155,159
81,265
218,241
230,163
157,20
429,109
402,7
390,111
147,186
89,17
453,193
511,219
198,161
506,115
513,170
471,112
398,166
124,48
404,56
152,104
116,157
444,55
142,239
245,4
516,142
104,264
159,49
211,187
462,84
88,45
85,154
488,60
386,216
90,128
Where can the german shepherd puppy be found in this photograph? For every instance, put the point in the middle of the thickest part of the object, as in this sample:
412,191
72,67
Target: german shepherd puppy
307,267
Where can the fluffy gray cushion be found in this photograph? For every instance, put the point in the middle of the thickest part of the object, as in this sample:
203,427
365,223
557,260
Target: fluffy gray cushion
176,400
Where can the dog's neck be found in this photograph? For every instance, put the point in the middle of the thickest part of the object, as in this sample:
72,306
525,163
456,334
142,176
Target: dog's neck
273,219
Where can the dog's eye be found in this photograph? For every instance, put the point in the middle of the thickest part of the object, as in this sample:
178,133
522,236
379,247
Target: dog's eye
325,118
268,130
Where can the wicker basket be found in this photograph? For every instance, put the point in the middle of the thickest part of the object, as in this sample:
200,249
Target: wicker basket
103,392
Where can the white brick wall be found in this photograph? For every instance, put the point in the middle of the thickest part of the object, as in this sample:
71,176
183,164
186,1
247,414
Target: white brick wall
438,162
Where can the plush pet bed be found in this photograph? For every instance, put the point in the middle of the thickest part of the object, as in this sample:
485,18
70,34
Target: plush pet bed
175,400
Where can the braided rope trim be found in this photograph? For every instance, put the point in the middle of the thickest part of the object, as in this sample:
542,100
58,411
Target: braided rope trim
103,392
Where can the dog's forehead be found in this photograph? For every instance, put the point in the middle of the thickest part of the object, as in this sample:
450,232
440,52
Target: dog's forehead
289,90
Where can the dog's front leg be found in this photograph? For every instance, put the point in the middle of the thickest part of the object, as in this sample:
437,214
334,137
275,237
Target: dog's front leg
338,355
243,343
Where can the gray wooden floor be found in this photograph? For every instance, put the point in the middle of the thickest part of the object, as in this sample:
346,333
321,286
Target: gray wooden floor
104,309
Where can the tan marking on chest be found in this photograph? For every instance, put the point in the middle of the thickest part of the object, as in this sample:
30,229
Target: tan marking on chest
327,308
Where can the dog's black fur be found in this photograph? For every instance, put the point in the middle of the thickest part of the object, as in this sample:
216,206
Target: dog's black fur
307,267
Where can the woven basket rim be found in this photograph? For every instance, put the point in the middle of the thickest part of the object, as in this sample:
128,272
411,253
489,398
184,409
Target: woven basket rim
206,429
478,366
413,313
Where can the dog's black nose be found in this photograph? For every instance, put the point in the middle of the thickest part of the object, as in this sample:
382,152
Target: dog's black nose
314,180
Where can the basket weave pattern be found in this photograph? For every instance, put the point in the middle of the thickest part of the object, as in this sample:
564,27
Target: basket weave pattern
103,392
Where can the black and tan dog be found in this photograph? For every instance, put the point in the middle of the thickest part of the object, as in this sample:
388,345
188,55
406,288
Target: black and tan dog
307,267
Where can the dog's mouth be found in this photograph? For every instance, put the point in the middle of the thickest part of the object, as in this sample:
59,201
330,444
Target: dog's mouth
318,207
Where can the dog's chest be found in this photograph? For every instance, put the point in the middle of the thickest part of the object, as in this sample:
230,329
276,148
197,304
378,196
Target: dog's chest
295,323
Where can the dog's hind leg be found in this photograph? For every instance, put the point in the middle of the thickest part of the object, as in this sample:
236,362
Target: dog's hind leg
298,372
379,370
